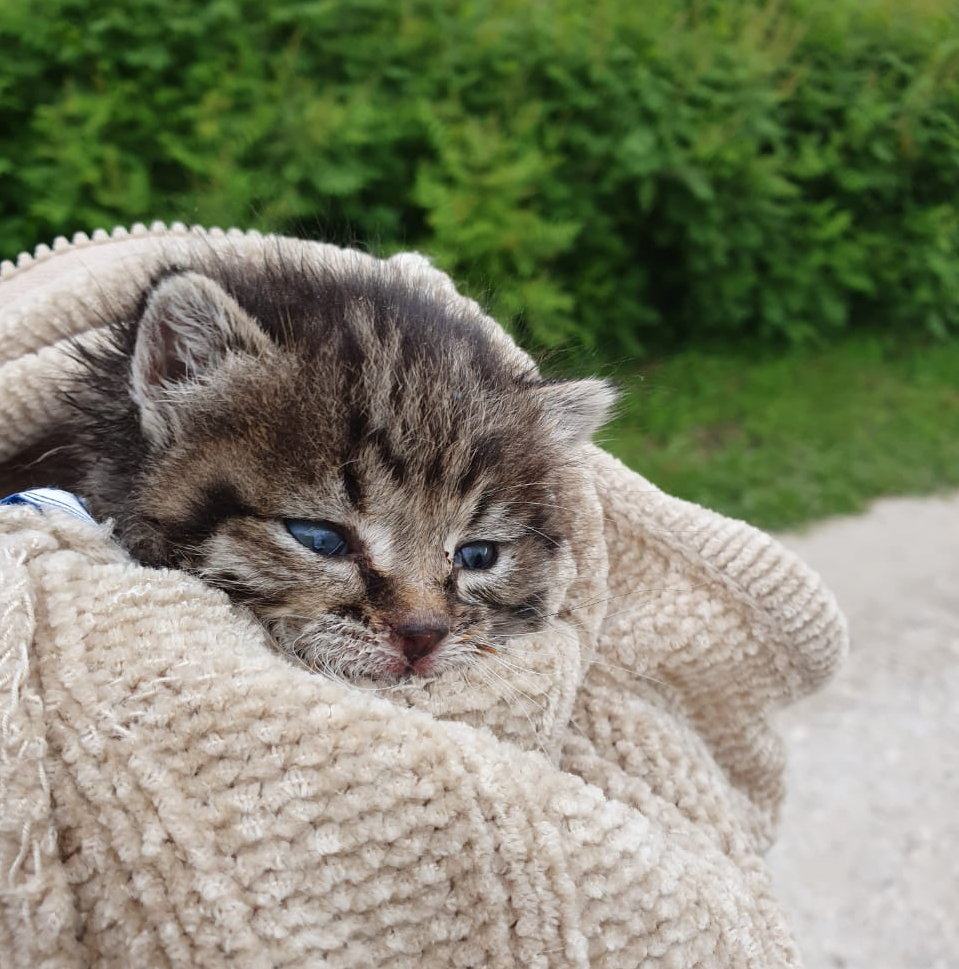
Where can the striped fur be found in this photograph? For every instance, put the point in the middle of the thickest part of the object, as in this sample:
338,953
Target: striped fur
235,399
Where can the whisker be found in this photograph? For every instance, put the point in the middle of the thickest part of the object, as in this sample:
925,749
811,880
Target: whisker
487,671
515,689
511,650
521,671
634,592
537,504
626,669
529,528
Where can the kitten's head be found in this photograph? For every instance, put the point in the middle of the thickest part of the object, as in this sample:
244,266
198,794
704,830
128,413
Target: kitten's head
360,463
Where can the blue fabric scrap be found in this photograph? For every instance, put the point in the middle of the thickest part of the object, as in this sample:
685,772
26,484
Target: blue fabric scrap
41,498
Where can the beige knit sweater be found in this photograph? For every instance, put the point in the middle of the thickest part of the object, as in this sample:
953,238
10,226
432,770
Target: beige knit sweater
176,793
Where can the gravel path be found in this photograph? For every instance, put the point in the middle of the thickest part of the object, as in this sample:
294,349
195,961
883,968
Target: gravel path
868,859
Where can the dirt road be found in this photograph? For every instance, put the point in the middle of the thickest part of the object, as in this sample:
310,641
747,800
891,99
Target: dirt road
868,859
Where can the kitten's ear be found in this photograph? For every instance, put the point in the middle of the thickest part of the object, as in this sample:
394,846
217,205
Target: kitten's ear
187,330
576,409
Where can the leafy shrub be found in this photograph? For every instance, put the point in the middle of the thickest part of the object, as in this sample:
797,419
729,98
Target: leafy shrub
605,173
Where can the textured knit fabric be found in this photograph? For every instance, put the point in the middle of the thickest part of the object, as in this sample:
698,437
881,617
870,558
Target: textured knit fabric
177,793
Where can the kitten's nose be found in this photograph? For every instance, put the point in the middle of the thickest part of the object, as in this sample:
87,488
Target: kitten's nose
419,641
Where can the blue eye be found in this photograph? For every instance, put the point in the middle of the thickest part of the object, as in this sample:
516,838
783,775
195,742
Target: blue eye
476,556
317,537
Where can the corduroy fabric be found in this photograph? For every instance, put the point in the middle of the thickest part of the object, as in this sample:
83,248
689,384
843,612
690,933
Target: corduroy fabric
175,793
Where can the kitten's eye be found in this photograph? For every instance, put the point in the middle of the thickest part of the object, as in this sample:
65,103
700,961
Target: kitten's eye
476,555
318,538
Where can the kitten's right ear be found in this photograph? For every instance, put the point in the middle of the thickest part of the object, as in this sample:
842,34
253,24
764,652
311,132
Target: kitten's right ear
576,408
188,328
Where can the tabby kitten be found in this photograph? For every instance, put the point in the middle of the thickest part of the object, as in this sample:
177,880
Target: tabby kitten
358,461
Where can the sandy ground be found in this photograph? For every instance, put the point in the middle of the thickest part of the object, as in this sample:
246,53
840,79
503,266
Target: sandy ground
868,859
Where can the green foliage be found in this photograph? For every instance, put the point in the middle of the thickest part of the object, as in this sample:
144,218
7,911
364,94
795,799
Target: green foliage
782,439
606,174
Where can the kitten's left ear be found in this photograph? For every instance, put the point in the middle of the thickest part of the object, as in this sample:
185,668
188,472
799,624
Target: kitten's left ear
577,409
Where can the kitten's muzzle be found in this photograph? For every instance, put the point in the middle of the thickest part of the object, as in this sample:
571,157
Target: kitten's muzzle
418,641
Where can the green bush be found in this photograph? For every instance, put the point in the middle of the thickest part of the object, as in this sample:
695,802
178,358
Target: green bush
602,173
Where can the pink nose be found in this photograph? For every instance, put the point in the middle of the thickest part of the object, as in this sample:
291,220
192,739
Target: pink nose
419,641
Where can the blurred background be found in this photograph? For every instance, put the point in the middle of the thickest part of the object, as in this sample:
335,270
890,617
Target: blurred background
743,211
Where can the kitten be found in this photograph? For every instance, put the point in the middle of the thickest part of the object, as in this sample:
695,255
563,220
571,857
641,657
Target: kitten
357,461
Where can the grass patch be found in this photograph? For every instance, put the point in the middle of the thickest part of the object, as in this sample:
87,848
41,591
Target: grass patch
787,439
